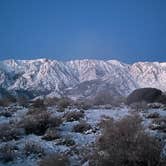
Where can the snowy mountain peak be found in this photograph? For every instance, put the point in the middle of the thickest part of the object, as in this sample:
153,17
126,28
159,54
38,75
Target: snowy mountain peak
81,78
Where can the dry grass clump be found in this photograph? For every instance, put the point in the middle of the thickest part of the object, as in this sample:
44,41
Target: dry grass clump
55,160
10,132
8,153
82,127
74,116
125,143
34,148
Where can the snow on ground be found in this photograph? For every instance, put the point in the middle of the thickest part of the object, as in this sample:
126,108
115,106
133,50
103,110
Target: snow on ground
92,116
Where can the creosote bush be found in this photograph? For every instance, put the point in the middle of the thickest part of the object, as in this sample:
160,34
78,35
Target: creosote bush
125,143
54,160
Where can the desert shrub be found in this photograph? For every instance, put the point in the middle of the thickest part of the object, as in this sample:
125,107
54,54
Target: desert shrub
153,115
39,103
36,124
51,101
125,143
23,101
160,120
103,98
7,153
81,127
51,134
159,124
31,147
35,111
83,104
54,121
67,141
139,106
64,102
74,116
5,102
6,113
9,132
54,160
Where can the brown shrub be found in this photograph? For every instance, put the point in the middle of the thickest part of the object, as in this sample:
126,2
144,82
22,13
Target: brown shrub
64,102
54,160
81,127
39,103
51,101
54,121
7,153
67,141
74,116
31,147
36,124
125,143
23,101
51,134
9,132
83,105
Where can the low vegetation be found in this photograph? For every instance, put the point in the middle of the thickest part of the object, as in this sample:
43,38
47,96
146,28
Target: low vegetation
51,134
38,122
9,132
31,148
55,160
125,143
8,153
81,127
74,116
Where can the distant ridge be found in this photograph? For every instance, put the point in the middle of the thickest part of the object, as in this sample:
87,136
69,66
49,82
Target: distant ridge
80,78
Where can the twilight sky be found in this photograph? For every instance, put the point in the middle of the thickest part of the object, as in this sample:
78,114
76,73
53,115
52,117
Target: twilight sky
126,30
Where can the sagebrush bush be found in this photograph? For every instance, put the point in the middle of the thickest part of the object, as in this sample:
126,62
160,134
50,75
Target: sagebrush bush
125,143
9,132
51,101
39,103
38,121
82,127
7,153
36,124
51,134
54,160
67,141
31,147
74,116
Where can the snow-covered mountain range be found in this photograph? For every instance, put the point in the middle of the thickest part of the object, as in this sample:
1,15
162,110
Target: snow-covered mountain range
80,78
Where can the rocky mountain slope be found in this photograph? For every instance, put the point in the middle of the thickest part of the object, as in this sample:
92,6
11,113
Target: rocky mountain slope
79,78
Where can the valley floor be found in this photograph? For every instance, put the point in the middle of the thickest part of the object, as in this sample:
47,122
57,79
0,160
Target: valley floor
70,141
